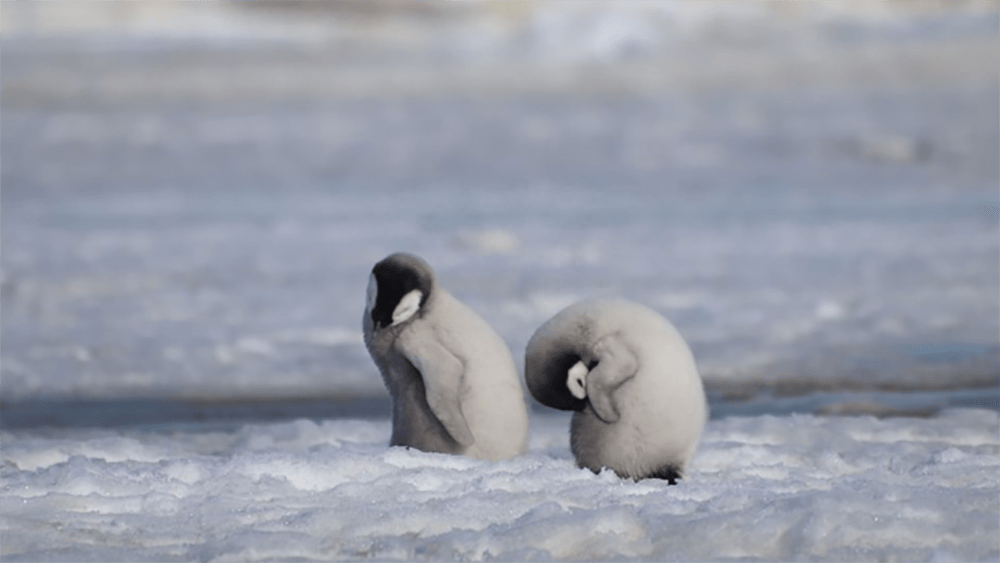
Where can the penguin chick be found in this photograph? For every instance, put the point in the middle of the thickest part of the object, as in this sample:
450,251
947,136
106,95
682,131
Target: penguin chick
630,377
453,382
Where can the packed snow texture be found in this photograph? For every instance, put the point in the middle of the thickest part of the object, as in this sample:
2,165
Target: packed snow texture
761,488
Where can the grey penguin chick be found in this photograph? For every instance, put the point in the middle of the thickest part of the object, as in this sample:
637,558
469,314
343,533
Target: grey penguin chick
632,380
454,384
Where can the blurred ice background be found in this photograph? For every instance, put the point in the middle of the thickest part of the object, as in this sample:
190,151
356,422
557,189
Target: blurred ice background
194,193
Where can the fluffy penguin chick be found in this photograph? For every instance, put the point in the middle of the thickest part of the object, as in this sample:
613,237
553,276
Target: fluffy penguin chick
454,384
630,377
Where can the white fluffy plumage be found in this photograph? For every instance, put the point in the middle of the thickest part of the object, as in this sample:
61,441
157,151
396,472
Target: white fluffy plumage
632,380
454,384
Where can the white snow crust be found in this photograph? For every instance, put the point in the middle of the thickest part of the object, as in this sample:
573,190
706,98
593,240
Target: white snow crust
792,488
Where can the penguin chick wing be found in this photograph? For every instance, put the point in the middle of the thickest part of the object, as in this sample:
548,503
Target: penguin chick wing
616,364
443,375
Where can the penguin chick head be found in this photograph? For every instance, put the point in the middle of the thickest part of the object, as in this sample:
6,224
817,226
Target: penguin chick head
556,376
398,288
558,360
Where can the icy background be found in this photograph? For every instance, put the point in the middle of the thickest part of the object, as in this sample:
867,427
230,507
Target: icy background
193,195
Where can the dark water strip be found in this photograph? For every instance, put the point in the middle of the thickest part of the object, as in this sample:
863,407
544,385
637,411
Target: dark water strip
167,413
853,403
174,414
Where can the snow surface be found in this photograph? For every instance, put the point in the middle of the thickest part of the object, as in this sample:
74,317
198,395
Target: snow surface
759,488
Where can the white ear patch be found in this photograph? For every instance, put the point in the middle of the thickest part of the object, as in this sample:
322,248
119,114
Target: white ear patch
576,380
407,307
372,294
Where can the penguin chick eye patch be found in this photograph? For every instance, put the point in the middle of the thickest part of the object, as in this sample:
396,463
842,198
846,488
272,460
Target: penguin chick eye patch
407,307
576,380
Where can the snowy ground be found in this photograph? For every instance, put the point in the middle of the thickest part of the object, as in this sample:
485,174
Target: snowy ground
194,193
773,488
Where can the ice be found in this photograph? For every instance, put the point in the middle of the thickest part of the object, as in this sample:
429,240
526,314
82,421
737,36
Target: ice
833,273
759,488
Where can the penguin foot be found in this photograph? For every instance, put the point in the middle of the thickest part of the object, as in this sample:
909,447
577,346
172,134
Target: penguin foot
668,473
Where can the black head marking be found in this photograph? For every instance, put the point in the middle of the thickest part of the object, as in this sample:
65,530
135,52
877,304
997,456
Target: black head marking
551,390
556,347
397,275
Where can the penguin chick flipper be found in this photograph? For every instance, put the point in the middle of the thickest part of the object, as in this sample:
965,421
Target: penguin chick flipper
442,373
616,364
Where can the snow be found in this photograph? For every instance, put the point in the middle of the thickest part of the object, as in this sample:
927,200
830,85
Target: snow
795,487
194,195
